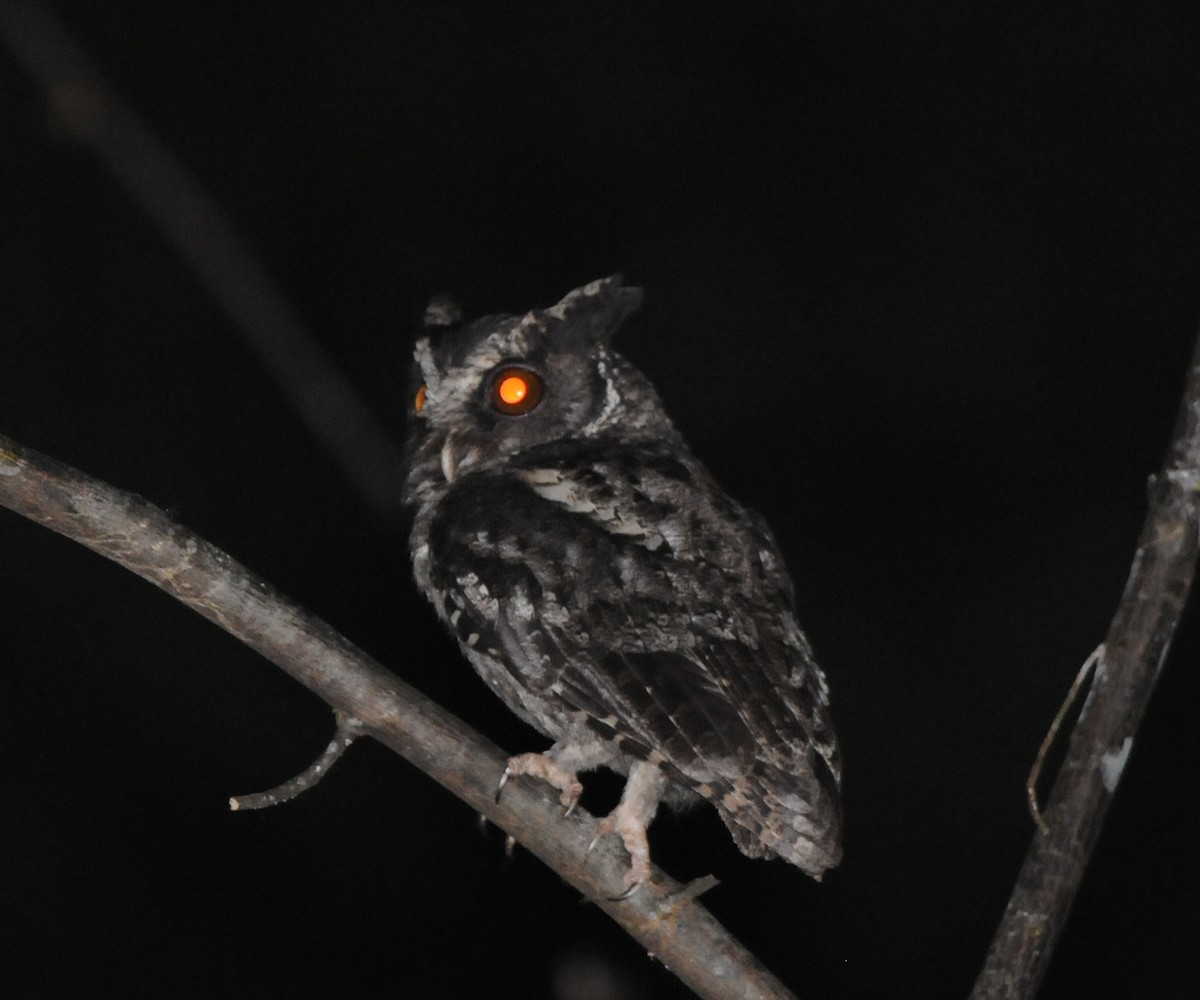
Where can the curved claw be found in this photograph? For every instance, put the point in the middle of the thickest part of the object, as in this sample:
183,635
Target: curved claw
602,832
571,807
503,781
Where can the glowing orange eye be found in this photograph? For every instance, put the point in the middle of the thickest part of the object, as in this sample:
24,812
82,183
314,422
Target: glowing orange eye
419,402
516,391
513,390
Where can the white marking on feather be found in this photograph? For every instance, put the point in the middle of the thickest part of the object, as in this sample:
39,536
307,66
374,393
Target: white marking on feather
477,594
557,488
520,607
533,476
612,397
673,532
420,558
551,485
423,355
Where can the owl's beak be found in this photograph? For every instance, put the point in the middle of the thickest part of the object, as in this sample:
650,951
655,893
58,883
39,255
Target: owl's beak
456,455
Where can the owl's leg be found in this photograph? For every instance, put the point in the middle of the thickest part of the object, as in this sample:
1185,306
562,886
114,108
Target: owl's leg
544,766
639,803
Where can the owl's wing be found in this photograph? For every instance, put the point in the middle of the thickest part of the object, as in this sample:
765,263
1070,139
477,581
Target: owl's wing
629,588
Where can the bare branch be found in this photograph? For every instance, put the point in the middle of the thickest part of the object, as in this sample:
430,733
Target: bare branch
348,730
208,240
1136,646
672,926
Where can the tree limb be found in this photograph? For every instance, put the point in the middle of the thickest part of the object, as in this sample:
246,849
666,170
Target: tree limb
348,730
1134,651
123,527
204,235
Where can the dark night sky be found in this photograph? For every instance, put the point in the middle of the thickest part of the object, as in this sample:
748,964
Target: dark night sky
921,286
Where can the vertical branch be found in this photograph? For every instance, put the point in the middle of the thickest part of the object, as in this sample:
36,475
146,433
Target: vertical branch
1136,646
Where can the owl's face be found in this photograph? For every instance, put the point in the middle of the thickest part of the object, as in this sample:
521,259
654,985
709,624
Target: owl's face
485,392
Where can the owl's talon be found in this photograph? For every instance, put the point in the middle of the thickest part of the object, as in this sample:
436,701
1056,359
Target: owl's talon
629,820
635,878
539,765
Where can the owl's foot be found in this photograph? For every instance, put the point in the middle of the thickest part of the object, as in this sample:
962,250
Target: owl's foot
639,803
540,766
633,836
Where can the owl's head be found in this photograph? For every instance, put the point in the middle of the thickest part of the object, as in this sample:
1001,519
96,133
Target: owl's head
487,391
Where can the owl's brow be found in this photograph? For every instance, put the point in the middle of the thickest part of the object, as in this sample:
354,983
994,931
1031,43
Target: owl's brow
516,341
497,347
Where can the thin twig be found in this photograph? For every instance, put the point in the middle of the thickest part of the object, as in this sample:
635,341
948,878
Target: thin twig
139,536
348,730
204,236
1035,772
1134,651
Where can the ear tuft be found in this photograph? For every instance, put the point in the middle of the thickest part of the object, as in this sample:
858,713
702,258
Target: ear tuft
441,313
595,311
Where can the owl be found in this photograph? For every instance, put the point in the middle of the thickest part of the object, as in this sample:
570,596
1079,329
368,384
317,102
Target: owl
605,587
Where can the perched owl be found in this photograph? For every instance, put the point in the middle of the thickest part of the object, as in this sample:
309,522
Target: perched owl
607,589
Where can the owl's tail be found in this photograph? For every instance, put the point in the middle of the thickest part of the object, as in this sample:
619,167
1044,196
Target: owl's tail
793,815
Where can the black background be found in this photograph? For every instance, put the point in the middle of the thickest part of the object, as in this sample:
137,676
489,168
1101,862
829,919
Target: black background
921,286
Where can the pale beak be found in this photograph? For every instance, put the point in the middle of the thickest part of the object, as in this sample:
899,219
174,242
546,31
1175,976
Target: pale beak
456,455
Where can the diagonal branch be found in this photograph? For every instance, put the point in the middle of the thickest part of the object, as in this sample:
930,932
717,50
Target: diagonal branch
208,240
662,915
1137,644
